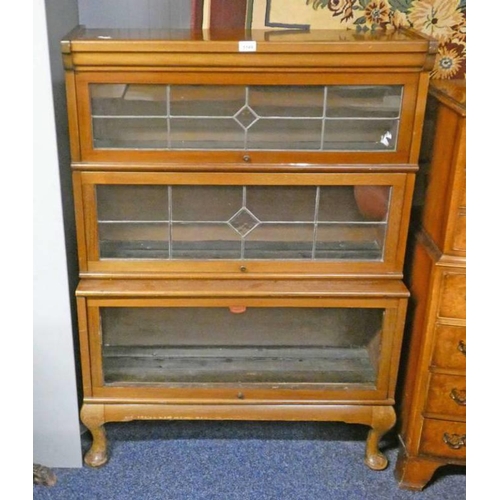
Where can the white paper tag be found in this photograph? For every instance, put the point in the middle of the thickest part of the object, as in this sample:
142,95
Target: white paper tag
247,46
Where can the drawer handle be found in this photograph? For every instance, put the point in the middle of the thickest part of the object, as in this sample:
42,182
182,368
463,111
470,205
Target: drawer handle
454,441
458,396
461,347
237,309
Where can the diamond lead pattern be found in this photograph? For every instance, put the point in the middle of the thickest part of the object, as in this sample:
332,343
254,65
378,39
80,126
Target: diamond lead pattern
246,117
243,221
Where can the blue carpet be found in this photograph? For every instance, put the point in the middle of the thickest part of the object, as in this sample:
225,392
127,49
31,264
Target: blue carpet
241,461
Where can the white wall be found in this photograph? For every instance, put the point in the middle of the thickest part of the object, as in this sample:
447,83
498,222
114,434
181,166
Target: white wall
56,429
152,14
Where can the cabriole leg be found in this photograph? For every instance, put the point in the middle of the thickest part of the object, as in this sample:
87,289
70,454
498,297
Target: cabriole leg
92,417
383,419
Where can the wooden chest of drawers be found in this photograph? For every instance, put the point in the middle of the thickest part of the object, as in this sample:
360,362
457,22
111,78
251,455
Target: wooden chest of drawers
433,410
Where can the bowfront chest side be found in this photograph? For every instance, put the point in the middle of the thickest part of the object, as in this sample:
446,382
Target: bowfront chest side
242,209
433,407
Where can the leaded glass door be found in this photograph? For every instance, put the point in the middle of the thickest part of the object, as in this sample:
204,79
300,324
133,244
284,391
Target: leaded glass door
242,222
314,119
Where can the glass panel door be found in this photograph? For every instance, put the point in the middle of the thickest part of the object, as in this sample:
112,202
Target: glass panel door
171,345
355,118
251,222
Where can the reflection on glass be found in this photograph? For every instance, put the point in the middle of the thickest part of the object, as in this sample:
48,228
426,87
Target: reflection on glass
373,201
364,101
280,134
278,203
280,242
206,100
130,133
353,203
132,221
205,241
133,240
360,135
296,102
128,100
205,203
131,203
206,133
261,345
349,241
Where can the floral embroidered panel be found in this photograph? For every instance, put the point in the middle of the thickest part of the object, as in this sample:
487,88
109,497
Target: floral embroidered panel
444,20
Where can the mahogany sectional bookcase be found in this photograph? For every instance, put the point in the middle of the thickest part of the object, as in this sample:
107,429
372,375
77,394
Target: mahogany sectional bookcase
242,206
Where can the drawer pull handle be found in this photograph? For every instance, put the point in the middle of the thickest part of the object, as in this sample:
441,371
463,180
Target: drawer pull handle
461,347
246,158
237,309
458,396
454,441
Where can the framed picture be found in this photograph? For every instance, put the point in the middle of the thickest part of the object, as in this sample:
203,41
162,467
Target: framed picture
444,20
250,14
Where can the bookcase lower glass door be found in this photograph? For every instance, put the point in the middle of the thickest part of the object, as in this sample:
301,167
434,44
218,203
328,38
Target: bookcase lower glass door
229,346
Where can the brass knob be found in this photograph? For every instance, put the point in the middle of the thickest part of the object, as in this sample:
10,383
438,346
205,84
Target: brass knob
454,441
246,158
243,269
458,397
240,395
461,347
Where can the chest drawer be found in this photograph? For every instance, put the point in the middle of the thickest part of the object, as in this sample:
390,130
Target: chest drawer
446,395
449,347
443,439
452,300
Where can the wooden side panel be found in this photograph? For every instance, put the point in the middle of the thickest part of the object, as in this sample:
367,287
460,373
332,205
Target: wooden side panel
417,346
446,184
73,120
80,222
85,360
455,240
419,117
